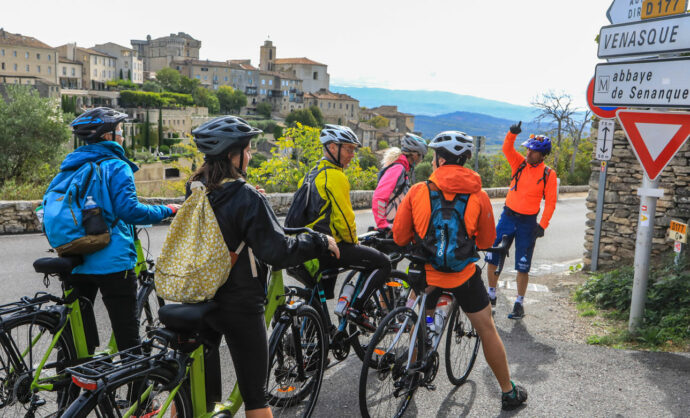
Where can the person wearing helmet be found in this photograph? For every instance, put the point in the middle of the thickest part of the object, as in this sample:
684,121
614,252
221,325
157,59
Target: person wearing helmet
244,215
415,222
531,182
395,178
332,213
111,269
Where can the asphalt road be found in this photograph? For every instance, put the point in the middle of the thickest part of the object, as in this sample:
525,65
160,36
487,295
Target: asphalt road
563,379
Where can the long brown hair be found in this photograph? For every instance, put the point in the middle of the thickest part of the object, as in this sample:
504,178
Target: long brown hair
216,169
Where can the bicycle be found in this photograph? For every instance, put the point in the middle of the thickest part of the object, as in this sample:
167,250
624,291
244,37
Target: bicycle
175,376
42,335
173,364
347,334
402,357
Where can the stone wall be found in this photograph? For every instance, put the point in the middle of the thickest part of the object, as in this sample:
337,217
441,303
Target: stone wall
18,216
622,204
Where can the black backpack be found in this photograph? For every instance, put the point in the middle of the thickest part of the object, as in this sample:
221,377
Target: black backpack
306,202
543,178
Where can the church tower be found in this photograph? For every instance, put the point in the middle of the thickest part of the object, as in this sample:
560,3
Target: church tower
267,56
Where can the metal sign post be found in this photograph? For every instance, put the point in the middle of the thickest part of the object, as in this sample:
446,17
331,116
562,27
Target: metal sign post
600,211
643,249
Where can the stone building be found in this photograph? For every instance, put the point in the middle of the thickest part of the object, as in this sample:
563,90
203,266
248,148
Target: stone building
175,121
622,204
314,75
97,69
283,91
245,77
211,74
70,73
159,53
397,121
366,134
128,65
26,60
336,108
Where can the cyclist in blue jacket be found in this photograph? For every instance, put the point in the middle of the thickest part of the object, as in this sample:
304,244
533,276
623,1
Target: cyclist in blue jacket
111,270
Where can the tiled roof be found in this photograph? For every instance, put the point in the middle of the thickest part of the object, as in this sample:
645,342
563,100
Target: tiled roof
244,64
328,95
206,63
279,75
7,38
302,60
94,52
68,61
388,111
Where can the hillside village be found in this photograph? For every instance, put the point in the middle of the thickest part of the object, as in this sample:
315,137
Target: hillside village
95,76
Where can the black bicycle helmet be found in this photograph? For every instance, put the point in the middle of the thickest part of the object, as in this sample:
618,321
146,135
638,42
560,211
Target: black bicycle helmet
92,124
219,134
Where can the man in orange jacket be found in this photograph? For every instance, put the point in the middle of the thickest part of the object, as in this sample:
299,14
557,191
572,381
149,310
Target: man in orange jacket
415,220
532,181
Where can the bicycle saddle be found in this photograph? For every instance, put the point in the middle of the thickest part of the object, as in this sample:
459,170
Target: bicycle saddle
57,265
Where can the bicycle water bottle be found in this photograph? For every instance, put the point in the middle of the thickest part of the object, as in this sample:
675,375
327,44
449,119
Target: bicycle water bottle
430,330
345,299
441,312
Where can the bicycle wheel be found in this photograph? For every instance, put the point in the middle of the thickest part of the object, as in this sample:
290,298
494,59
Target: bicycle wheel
391,295
462,346
148,304
25,341
385,389
297,359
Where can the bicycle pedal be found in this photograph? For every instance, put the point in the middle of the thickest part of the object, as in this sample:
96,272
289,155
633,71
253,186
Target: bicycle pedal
429,386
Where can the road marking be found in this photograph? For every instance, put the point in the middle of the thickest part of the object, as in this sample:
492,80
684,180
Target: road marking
512,285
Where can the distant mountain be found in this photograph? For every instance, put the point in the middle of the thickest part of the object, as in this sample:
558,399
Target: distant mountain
431,103
473,123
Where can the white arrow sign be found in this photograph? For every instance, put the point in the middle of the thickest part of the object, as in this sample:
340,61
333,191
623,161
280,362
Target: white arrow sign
622,11
605,139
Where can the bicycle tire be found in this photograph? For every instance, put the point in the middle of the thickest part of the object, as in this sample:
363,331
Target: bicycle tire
386,362
285,392
462,346
148,304
376,312
103,402
15,394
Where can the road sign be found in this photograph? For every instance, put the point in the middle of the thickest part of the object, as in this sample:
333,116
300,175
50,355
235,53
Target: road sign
657,8
602,112
605,139
669,34
622,11
678,231
655,137
659,83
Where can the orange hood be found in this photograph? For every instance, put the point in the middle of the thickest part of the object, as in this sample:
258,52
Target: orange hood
456,179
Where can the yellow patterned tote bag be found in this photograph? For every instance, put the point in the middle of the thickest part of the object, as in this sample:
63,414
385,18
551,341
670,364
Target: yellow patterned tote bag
194,261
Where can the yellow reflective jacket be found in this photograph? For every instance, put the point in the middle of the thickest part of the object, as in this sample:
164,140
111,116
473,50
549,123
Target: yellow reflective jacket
336,217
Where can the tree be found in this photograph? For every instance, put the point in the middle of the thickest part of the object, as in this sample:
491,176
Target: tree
32,134
147,131
367,158
264,109
303,116
152,86
383,144
556,108
169,78
576,128
205,98
121,74
160,127
189,85
378,122
231,100
317,114
129,75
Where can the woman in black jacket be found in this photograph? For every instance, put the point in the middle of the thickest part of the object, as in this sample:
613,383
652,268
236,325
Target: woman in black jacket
244,215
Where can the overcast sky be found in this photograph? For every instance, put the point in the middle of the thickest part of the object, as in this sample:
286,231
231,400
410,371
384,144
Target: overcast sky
506,50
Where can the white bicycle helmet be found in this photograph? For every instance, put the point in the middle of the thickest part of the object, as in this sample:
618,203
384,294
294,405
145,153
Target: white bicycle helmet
413,143
455,142
338,134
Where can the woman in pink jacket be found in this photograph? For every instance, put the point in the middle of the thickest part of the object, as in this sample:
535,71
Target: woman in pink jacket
395,178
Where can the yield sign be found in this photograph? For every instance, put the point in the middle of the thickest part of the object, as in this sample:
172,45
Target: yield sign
655,136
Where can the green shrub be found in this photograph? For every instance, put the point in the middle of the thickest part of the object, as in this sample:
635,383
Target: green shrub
164,149
383,145
423,171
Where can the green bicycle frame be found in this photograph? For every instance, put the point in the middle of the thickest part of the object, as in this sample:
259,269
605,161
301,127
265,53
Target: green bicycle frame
76,324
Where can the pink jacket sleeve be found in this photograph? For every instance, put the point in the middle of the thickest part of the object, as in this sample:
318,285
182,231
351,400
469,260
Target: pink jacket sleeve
383,193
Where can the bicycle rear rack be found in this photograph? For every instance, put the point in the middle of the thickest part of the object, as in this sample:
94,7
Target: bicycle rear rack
28,304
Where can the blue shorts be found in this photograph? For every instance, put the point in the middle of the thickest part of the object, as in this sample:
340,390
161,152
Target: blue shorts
520,228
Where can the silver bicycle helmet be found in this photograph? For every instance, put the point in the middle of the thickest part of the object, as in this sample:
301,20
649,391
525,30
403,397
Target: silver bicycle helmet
455,142
414,143
338,134
217,135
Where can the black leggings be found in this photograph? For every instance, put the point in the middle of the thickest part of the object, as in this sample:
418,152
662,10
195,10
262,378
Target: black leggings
119,292
245,334
374,262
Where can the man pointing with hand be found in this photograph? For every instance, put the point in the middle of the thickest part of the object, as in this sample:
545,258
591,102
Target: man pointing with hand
531,182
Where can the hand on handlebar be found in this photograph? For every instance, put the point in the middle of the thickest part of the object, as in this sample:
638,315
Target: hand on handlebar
333,246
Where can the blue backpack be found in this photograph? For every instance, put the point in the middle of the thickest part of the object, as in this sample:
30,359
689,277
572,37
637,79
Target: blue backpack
446,244
71,228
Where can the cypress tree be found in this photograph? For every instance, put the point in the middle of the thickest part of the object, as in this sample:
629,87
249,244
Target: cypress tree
160,126
147,128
